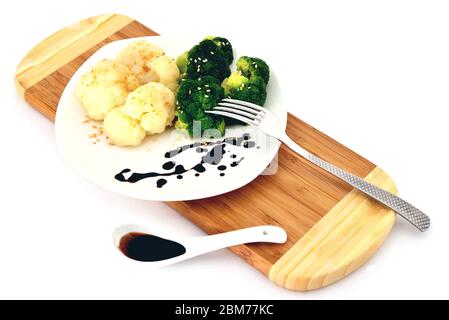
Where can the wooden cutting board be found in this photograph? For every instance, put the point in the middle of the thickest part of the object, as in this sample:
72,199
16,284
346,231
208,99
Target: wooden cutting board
332,229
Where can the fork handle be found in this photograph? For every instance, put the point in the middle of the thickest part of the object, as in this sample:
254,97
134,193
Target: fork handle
410,213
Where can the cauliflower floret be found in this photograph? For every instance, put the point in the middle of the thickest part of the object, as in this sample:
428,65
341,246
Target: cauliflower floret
121,129
106,86
136,55
152,121
164,70
153,105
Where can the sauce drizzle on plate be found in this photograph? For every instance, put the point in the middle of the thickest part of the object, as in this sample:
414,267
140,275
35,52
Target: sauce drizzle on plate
214,154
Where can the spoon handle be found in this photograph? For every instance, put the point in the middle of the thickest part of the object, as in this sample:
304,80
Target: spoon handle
271,234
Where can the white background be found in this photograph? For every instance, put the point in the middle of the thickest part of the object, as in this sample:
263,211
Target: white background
372,74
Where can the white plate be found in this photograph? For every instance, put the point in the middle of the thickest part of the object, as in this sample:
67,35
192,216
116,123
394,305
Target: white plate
101,162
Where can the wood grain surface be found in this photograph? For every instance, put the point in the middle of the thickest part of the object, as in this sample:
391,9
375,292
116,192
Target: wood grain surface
332,229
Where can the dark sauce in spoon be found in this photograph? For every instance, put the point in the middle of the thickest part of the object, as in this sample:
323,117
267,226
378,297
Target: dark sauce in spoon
214,154
149,248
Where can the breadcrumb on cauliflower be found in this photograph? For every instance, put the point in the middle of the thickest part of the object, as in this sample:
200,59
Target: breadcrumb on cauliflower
153,105
164,70
105,87
136,55
123,130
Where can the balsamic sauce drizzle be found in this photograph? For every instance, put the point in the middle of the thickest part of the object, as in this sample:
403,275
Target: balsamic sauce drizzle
212,157
236,163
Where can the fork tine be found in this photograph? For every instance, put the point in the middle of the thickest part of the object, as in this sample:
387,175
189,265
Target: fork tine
233,116
236,111
245,103
238,107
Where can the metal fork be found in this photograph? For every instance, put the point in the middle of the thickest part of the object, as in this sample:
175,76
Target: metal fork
267,122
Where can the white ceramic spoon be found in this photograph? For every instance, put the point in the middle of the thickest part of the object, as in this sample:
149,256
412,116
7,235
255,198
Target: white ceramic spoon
163,250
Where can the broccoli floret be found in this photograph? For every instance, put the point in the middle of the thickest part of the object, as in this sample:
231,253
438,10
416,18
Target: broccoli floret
235,81
250,66
194,97
225,46
239,87
249,82
207,59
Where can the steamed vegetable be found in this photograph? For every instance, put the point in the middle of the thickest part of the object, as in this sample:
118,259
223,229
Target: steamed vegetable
205,59
249,82
105,87
225,46
148,110
239,87
251,66
204,68
194,97
163,69
137,55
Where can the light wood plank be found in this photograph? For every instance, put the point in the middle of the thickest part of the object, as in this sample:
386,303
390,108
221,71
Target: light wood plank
339,243
64,46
